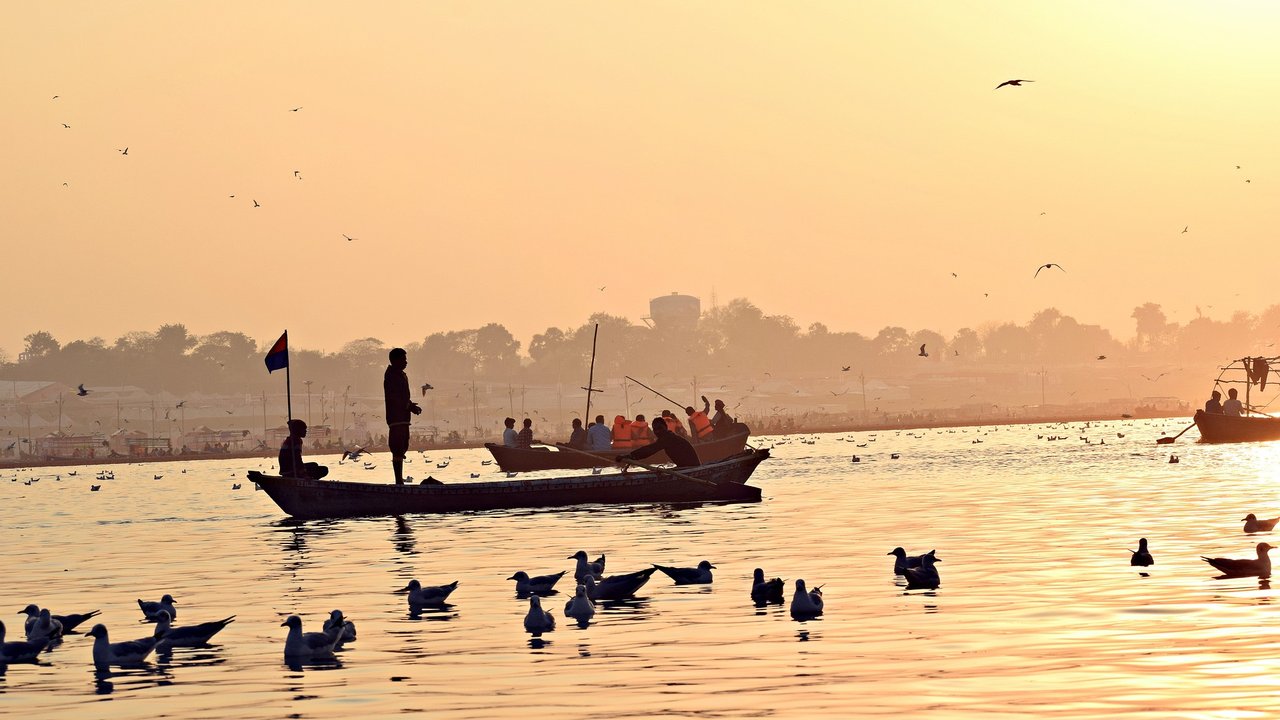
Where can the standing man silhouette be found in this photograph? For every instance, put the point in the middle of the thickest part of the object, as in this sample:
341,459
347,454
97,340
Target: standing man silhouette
395,388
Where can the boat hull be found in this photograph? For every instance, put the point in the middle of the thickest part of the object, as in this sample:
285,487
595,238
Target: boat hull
311,499
1215,428
546,458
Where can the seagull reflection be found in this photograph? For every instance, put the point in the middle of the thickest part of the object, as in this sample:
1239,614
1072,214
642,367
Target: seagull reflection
133,676
538,643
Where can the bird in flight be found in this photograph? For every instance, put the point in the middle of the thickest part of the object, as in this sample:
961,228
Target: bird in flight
838,394
296,109
1184,229
81,391
954,275
297,174
1153,379
1046,266
181,403
426,387
845,368
348,237
65,125
602,287
1015,83
923,352
125,151
55,97
1102,357
255,204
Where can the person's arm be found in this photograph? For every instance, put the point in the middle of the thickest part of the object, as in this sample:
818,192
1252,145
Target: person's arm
641,453
706,405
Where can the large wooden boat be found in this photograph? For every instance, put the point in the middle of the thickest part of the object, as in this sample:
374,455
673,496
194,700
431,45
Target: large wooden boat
1218,428
723,481
553,458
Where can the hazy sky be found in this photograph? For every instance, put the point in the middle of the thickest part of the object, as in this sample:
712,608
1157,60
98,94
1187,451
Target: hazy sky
833,161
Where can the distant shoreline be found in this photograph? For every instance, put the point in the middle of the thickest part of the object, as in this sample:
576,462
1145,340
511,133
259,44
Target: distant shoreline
807,429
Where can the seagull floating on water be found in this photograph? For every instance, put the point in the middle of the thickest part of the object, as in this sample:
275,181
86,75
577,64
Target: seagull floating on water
537,585
428,596
132,652
537,620
152,609
585,568
923,577
902,560
1252,524
767,591
18,650
69,622
307,646
700,575
44,630
617,587
189,635
580,607
345,629
1142,556
1244,567
805,603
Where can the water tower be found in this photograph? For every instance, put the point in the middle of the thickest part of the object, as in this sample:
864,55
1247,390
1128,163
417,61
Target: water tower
674,313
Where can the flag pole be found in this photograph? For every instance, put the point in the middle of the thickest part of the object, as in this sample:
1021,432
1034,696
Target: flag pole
288,395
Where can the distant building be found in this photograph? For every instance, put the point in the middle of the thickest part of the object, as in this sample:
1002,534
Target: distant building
674,313
64,445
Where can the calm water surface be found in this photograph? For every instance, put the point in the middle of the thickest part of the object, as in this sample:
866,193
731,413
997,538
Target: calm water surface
1039,613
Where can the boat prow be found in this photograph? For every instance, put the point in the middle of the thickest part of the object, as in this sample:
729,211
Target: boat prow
724,482
1218,428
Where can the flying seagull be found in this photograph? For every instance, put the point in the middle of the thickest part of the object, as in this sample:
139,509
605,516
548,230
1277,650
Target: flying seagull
426,387
348,237
1184,228
1015,83
255,204
66,125
125,151
295,109
845,368
81,391
1046,266
923,352
297,174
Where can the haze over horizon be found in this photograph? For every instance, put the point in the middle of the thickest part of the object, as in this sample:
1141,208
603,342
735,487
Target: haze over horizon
501,162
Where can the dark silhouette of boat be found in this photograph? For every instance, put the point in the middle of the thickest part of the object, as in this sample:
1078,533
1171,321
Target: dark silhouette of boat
718,482
549,458
1252,426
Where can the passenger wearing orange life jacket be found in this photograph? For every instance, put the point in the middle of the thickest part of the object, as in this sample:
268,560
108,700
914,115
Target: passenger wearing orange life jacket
622,433
641,435
674,424
699,423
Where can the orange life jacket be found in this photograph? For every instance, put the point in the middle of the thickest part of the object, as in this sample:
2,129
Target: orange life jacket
701,425
641,435
675,426
622,433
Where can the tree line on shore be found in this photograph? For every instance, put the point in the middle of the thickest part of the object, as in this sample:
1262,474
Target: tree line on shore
737,340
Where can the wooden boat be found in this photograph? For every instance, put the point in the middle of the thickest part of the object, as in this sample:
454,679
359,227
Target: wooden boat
1251,426
1218,428
725,481
546,458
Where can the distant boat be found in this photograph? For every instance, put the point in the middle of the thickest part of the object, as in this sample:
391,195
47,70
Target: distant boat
545,458
723,481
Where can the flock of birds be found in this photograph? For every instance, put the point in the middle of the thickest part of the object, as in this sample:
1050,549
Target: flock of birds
1259,566
44,631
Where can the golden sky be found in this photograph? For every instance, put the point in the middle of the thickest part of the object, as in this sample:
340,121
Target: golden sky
500,161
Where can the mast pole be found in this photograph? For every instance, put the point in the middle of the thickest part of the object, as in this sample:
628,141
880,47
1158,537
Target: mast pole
591,373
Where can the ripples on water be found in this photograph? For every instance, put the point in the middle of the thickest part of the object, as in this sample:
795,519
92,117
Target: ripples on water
1038,614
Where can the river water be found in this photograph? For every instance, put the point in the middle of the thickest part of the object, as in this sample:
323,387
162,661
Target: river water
1038,614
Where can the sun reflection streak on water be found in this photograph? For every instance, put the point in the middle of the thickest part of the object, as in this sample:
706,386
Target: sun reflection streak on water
1038,612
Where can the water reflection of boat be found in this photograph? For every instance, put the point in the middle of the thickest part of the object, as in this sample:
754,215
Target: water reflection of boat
723,481
544,458
1252,426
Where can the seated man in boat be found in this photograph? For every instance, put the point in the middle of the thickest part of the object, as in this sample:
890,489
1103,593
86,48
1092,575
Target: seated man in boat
291,464
599,437
510,436
578,438
1214,405
524,438
676,447
1233,406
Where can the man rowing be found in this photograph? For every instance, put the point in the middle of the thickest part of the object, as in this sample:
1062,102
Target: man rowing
677,448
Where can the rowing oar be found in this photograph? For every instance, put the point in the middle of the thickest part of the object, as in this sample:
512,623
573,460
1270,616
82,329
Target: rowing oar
653,468
1167,440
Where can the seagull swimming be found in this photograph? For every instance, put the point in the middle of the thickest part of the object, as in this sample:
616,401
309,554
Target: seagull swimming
925,576
307,646
429,596
1260,566
580,607
345,629
537,620
617,587
17,651
107,653
767,591
538,584
189,635
1142,556
805,603
902,560
700,575
1252,524
584,568
69,622
44,630
152,609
